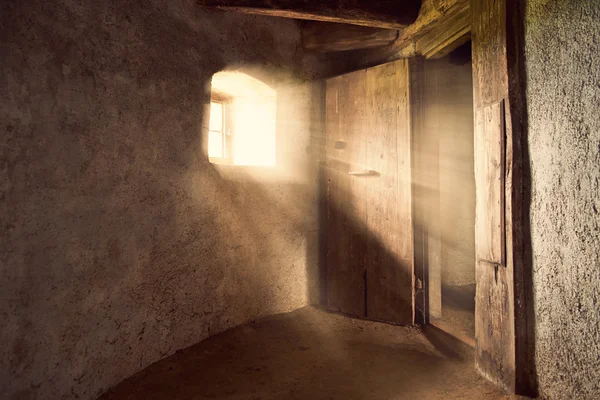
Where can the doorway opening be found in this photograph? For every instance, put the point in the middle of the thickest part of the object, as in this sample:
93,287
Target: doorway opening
447,189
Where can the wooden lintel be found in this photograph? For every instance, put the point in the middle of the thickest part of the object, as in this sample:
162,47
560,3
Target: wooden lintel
432,14
387,14
329,37
438,24
447,47
447,35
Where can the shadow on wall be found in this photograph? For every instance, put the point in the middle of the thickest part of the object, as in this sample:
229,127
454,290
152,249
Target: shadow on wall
261,211
121,242
525,322
364,246
360,263
284,196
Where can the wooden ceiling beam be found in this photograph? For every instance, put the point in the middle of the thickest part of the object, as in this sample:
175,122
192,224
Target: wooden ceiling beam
451,32
329,37
439,21
387,14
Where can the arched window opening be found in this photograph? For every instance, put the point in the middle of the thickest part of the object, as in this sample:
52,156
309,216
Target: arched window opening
242,122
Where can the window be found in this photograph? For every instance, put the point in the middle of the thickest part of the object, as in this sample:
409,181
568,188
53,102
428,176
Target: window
242,121
216,140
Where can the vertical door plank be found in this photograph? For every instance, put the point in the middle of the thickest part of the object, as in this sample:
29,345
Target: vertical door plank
390,258
346,255
416,98
370,255
426,187
493,299
334,187
489,178
503,329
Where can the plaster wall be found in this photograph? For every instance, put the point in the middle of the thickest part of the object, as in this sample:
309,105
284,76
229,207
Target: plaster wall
562,39
121,243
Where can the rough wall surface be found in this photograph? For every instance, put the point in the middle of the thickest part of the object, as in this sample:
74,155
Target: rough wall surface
562,39
120,243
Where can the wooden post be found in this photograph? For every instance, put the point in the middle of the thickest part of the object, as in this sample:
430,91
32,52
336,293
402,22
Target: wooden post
503,322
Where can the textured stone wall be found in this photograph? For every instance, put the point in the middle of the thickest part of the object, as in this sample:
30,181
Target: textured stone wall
562,42
120,243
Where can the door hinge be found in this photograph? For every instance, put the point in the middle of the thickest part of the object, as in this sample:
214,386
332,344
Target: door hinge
418,284
492,263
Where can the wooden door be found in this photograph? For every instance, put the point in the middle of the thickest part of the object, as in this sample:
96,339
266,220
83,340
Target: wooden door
504,332
346,125
369,231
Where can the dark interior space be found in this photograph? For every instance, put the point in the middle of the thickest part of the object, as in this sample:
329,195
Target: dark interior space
282,199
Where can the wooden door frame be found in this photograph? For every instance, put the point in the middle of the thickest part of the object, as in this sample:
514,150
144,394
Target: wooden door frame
420,234
504,343
497,29
505,339
428,237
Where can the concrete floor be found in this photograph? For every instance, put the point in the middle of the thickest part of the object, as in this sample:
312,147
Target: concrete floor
312,354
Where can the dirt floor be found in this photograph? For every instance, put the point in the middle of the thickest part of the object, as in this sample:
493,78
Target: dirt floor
458,309
313,354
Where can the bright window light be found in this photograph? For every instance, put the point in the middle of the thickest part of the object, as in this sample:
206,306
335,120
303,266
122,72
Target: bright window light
242,127
215,132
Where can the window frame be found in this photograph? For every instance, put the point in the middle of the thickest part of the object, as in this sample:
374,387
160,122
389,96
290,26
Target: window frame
226,129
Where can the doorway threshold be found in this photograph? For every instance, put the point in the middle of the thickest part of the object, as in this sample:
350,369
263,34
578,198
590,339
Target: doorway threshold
452,330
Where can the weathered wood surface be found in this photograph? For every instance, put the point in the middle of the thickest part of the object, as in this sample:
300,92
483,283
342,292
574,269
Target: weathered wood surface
421,195
436,17
495,317
494,303
439,29
520,202
389,14
346,128
370,234
433,28
390,262
449,33
489,180
329,37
